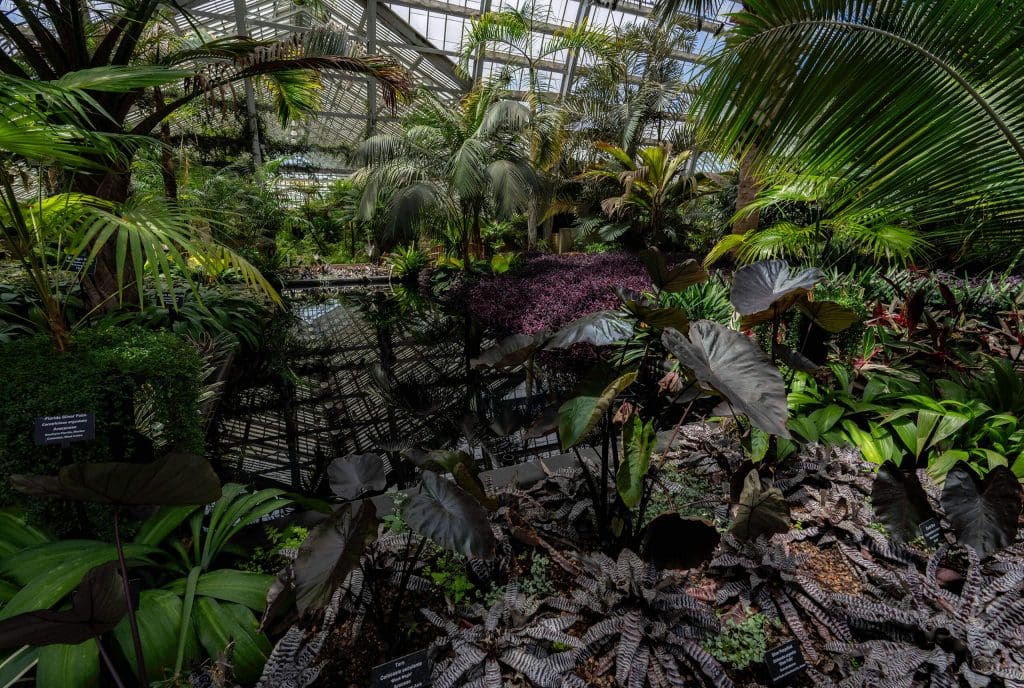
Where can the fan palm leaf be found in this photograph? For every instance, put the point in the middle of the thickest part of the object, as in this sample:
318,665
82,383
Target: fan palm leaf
915,106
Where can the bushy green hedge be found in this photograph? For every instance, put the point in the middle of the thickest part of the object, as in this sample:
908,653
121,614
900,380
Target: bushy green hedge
105,373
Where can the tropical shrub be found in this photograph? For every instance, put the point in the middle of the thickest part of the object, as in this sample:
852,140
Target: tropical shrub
108,372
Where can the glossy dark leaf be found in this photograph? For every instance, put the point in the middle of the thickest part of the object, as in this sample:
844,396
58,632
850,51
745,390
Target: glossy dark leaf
590,401
795,359
176,479
900,502
97,606
659,318
761,510
764,289
599,329
983,513
676,279
510,352
828,315
673,542
356,475
450,517
331,551
732,365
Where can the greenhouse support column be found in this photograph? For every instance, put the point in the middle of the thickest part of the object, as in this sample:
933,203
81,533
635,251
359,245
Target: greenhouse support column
478,67
371,48
250,93
582,13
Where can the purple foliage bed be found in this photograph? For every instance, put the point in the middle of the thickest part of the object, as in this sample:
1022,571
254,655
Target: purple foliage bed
547,291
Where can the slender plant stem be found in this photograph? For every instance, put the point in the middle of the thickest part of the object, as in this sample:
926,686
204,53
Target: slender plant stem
140,664
110,664
675,432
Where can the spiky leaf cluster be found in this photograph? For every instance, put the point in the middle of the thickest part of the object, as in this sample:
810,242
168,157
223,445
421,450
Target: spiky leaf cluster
644,623
765,574
503,638
937,637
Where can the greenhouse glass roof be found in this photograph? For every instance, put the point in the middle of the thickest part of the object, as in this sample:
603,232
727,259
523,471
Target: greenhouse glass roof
423,35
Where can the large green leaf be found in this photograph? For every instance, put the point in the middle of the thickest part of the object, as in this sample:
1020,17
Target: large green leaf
578,416
638,439
17,664
762,510
69,666
220,625
732,365
331,551
159,618
52,570
229,585
97,606
984,513
899,502
762,290
173,480
158,526
450,517
16,534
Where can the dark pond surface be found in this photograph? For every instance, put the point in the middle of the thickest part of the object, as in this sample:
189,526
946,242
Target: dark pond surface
374,370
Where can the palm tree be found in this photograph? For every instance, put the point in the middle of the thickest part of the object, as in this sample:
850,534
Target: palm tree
914,105
641,92
513,32
50,124
451,165
655,186
806,229
74,39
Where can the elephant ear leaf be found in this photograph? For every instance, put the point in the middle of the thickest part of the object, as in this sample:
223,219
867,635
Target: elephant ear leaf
448,515
638,440
899,502
763,290
983,513
598,329
828,315
676,279
97,606
760,511
176,479
579,415
355,475
511,351
331,551
732,365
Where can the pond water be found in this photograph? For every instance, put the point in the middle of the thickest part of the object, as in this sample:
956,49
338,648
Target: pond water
374,370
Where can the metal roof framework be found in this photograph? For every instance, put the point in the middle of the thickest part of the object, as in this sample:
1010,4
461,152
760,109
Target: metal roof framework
425,36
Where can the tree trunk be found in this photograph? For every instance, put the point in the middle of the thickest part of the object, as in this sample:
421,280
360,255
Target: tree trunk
166,157
746,191
531,224
101,288
549,226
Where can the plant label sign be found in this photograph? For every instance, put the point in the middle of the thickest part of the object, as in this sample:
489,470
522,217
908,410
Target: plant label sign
176,300
65,429
410,671
931,531
77,264
785,662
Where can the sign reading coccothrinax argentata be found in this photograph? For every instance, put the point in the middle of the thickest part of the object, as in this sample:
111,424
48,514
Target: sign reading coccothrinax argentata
65,429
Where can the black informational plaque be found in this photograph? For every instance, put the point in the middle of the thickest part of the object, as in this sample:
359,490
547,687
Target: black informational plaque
172,299
410,671
65,429
931,531
785,663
